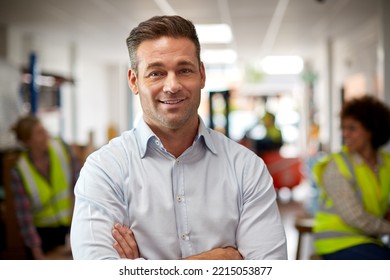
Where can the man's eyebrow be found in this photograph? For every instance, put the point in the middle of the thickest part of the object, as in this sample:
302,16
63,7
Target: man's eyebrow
186,62
154,64
180,63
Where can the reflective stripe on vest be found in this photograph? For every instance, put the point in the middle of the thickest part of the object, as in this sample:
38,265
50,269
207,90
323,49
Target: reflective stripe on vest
28,177
63,215
63,157
344,159
331,234
50,200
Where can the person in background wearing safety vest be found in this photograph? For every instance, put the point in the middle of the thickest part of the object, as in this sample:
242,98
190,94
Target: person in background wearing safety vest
272,140
269,138
42,183
353,214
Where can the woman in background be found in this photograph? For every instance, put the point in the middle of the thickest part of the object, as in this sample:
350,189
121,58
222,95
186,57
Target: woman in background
42,184
355,186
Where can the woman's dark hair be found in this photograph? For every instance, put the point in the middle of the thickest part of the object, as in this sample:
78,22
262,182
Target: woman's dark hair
24,126
159,26
373,114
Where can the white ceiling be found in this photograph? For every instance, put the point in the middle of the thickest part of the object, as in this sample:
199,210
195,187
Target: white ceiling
260,27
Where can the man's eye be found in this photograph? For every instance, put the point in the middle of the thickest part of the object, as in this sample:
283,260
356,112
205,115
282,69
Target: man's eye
155,74
185,71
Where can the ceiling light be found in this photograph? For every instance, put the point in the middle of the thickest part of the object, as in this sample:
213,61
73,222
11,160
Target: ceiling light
282,65
214,33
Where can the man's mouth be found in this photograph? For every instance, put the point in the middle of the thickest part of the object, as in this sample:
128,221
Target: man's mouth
176,101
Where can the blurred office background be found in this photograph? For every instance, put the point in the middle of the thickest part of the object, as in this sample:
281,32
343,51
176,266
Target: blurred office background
66,61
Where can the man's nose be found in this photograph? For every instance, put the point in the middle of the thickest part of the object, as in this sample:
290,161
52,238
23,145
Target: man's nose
172,83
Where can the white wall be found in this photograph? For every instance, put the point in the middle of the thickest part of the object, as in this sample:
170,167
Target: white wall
335,61
98,96
92,95
9,104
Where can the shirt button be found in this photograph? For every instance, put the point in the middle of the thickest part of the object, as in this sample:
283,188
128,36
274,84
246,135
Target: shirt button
184,236
179,198
157,143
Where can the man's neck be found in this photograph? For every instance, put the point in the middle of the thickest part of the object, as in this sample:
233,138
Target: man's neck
176,141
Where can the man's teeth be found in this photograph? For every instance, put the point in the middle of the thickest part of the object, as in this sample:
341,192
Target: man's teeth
171,101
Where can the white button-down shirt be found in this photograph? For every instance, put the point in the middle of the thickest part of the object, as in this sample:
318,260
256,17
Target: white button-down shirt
216,194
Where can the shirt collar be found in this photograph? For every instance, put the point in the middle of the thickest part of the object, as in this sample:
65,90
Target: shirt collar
144,134
205,133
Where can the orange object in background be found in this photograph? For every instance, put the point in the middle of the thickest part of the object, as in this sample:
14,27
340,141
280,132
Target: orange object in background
286,172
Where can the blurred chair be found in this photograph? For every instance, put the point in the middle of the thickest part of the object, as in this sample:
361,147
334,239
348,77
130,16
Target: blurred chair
304,226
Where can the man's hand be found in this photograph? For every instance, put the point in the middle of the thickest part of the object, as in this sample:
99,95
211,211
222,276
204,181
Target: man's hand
226,253
127,247
125,244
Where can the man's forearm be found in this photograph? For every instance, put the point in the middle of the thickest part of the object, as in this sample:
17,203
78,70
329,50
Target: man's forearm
227,253
126,246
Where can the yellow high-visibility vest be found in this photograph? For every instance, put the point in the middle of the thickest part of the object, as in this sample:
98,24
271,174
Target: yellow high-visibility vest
51,200
331,233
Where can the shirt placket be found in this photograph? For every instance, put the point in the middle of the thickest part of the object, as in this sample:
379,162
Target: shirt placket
181,208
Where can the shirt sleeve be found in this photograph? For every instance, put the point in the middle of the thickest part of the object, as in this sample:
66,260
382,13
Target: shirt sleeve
347,203
99,204
24,212
260,233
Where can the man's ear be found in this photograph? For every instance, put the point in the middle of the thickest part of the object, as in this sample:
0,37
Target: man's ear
132,81
203,74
